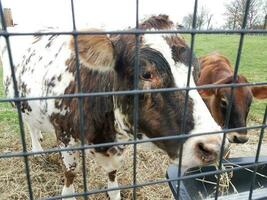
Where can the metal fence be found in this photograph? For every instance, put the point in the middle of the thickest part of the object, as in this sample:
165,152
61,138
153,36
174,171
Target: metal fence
135,92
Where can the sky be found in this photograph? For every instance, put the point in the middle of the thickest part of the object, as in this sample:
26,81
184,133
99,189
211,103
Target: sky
107,14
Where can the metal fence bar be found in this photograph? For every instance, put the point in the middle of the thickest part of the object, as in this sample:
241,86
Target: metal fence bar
131,92
179,137
139,31
187,95
18,105
257,155
136,96
80,99
229,107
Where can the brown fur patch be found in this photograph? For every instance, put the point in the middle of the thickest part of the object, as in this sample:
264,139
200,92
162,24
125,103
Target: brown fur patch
98,111
95,51
259,92
112,175
157,22
69,177
174,40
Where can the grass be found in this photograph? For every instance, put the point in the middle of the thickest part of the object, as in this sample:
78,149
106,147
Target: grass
8,115
46,173
253,59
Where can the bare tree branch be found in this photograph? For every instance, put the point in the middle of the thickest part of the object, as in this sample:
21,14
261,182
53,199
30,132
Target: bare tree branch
235,11
204,17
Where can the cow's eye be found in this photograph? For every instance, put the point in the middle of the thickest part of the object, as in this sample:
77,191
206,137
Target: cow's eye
223,102
147,75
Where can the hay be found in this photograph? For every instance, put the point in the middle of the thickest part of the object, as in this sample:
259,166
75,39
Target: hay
47,176
224,182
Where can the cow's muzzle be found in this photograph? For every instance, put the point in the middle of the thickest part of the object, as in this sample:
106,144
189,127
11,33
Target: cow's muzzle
235,137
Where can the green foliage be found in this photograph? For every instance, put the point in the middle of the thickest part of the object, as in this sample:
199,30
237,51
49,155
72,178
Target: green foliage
8,115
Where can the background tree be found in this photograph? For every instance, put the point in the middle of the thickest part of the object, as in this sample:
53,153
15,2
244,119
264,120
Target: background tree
235,11
204,18
264,15
187,21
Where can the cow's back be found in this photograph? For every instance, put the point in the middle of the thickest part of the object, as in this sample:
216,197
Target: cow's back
40,71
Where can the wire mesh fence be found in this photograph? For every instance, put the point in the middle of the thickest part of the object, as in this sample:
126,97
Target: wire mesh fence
134,92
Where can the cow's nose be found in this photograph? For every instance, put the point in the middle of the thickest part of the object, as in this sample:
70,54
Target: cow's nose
240,139
206,153
235,137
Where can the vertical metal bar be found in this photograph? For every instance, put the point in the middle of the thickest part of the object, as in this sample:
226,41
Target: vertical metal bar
186,96
136,98
18,105
257,155
80,101
228,112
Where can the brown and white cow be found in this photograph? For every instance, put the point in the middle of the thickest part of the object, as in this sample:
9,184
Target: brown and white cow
107,64
216,69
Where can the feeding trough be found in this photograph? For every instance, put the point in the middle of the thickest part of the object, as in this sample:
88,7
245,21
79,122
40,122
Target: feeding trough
233,185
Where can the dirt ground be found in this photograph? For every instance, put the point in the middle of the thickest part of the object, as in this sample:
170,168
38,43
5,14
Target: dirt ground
250,148
47,177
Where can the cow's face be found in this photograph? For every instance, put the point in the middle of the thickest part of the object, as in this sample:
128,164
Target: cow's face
241,101
162,64
160,114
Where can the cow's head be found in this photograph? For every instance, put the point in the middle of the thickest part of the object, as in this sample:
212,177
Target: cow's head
241,100
163,63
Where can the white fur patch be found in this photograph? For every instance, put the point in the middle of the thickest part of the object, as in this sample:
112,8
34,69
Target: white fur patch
70,158
115,194
121,128
110,163
68,191
36,136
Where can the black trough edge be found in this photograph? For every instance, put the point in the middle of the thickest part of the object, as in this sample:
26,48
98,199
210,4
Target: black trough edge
171,174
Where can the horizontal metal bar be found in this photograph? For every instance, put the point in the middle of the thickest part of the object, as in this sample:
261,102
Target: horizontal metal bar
135,31
174,137
131,92
158,181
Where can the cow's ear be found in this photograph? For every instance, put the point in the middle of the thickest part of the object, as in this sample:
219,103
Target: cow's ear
242,79
259,92
205,93
95,51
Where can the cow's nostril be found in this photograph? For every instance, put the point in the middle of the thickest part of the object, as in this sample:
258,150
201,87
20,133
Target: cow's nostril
236,140
240,139
203,149
205,154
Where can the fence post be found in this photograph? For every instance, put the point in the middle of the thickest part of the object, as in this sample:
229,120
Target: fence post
8,17
265,23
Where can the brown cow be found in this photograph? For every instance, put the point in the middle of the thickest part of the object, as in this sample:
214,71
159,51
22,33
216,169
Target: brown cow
216,69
